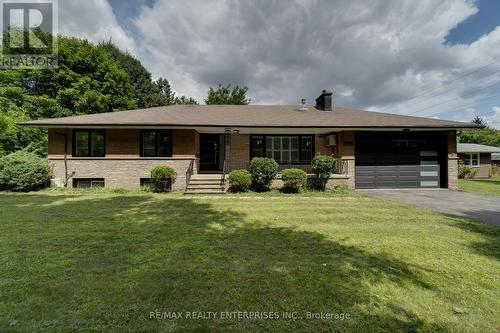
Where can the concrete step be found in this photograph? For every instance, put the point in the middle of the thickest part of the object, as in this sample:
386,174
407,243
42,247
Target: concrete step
204,191
206,177
205,186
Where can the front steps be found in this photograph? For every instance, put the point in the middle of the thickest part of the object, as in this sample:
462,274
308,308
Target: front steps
205,184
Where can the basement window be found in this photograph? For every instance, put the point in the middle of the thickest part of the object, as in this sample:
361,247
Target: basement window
88,182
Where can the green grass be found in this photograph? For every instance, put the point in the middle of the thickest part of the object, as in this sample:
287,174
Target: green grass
484,186
101,262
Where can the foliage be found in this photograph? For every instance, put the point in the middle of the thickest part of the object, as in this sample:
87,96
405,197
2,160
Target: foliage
227,95
263,170
293,179
465,171
322,166
239,181
183,100
23,172
90,79
162,178
485,136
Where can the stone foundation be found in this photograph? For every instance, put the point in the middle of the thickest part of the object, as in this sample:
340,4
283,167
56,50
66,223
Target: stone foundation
118,173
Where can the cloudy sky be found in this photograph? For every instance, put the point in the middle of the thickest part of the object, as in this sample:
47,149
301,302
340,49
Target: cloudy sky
433,58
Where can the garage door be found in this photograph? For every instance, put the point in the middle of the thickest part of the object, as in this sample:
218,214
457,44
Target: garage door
410,170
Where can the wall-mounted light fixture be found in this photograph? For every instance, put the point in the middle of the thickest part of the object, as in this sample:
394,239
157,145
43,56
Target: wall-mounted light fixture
236,131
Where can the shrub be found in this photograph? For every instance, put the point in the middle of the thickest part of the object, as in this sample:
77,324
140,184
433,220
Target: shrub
23,172
162,178
239,181
293,179
322,166
263,171
465,171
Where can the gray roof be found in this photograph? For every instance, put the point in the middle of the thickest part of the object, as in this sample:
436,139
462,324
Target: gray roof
250,116
495,157
476,148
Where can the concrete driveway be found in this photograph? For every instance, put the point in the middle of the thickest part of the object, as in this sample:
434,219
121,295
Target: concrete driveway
478,207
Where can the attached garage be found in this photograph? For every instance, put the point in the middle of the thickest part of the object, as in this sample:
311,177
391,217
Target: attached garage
400,159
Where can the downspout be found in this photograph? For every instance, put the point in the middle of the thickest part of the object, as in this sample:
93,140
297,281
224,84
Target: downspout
65,157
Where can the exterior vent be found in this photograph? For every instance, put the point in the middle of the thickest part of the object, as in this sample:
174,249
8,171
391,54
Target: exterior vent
324,101
331,140
303,105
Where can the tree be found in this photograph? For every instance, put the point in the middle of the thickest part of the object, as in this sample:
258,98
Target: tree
90,79
480,121
227,95
484,136
185,100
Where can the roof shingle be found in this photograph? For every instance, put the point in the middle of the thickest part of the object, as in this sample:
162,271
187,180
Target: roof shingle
250,116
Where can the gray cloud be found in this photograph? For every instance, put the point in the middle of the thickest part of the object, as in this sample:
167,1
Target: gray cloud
378,54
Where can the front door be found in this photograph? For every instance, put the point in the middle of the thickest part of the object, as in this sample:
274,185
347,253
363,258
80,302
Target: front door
211,152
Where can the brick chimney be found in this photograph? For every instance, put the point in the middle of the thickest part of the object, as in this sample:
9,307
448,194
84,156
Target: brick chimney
324,101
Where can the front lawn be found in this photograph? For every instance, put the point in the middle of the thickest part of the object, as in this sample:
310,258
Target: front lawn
104,262
484,186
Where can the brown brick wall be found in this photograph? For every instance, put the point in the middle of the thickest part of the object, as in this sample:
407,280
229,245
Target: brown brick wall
240,148
122,166
320,145
124,143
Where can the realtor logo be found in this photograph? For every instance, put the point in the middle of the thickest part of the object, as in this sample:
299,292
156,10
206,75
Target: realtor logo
29,34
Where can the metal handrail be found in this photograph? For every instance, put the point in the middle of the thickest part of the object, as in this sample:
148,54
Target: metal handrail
224,172
341,167
189,172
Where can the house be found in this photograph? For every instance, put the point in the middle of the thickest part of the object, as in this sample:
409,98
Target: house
495,159
478,157
374,150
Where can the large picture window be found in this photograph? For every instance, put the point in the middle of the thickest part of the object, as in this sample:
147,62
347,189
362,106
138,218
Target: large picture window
89,143
284,149
472,160
156,143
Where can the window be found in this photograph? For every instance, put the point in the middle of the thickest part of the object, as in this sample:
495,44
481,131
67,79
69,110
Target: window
472,160
145,182
88,182
89,143
156,143
283,148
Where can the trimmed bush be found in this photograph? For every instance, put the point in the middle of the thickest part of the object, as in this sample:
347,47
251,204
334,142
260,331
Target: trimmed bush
239,181
322,166
23,172
293,180
162,178
263,171
465,171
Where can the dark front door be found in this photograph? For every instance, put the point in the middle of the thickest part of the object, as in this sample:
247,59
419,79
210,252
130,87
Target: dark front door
211,149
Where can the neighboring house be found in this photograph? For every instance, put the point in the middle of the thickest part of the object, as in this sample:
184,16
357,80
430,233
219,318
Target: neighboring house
478,157
495,159
374,150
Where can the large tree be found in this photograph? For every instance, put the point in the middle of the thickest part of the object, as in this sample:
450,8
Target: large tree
485,136
90,79
227,95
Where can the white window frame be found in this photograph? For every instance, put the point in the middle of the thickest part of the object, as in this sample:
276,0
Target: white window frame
472,160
